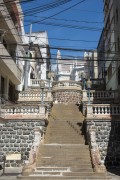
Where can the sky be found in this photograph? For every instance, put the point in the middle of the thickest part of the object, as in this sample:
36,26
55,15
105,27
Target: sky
78,27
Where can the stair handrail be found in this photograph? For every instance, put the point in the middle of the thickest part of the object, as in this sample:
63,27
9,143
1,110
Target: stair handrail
98,166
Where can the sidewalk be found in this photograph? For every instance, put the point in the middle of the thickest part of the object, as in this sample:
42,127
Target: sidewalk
10,173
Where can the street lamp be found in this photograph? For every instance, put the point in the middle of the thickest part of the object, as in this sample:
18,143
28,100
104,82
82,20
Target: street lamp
42,86
50,75
88,83
83,77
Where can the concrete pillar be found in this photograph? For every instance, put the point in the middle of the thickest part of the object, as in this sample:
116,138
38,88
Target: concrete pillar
89,111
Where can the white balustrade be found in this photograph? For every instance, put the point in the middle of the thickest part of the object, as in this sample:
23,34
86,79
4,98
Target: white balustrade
33,96
38,111
22,110
36,83
102,94
66,84
99,110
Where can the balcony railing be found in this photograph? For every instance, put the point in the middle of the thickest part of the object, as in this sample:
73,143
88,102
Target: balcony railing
66,85
102,110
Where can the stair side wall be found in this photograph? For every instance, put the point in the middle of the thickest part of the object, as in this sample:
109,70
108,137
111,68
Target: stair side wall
17,136
107,139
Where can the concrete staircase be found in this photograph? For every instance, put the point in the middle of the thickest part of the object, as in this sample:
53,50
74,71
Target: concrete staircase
64,154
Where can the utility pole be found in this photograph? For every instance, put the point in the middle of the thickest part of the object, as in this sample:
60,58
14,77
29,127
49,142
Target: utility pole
27,62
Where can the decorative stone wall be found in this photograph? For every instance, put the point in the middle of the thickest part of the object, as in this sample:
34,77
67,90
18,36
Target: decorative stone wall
16,136
67,96
108,140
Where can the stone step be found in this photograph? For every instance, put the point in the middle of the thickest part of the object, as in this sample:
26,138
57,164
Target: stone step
82,174
82,155
38,177
62,173
63,169
62,163
68,157
65,141
68,160
58,169
64,152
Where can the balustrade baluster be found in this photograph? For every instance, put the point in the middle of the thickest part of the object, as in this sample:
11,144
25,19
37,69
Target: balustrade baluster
32,109
102,110
95,110
35,110
105,110
8,110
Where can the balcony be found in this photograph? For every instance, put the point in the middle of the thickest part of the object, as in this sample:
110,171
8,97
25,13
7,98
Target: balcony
8,66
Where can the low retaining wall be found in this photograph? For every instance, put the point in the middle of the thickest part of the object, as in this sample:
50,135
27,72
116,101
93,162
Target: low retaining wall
67,96
107,133
17,136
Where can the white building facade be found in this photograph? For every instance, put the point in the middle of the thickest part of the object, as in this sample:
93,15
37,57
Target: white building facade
112,43
41,66
11,54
